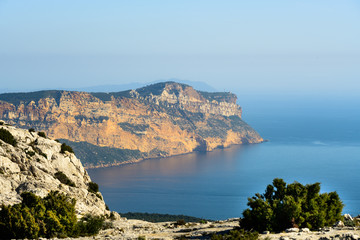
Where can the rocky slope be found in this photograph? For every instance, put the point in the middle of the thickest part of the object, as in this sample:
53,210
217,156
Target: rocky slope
158,120
32,165
136,229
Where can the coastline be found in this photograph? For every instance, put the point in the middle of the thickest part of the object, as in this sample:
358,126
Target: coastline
161,157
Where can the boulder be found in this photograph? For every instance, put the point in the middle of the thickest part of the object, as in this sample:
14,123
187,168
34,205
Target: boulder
289,230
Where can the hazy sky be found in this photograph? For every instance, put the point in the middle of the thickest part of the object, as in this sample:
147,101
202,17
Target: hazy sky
257,46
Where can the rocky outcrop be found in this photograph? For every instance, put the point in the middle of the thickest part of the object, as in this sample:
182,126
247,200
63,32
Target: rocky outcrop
32,165
158,120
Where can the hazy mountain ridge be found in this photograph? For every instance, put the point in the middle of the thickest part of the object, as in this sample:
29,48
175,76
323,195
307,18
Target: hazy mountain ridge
162,119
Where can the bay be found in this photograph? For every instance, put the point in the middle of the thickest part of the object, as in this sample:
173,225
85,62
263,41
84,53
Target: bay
306,145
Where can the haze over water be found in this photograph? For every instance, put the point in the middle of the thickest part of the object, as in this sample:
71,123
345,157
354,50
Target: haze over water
310,141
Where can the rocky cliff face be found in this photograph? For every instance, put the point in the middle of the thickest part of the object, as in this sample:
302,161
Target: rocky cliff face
31,166
158,120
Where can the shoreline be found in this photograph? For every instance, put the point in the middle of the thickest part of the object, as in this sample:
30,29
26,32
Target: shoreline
162,157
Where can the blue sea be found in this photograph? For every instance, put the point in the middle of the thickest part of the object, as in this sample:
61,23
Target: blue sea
311,140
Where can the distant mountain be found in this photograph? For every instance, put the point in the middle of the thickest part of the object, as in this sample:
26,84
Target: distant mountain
157,120
120,87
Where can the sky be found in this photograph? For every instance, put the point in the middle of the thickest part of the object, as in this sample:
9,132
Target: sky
258,47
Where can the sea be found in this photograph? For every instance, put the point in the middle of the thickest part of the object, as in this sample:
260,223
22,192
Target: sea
310,139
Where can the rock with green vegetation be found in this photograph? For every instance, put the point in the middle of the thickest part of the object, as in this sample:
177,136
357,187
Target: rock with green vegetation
36,165
284,206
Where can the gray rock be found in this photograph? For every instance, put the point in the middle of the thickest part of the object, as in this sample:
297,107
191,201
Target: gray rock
339,224
292,230
284,238
348,217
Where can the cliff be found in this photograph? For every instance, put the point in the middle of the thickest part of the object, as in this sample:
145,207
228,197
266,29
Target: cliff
158,120
33,164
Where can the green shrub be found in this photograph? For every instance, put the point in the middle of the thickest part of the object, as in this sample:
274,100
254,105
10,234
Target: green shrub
7,137
64,179
65,148
89,225
42,134
93,187
236,235
284,206
180,222
50,217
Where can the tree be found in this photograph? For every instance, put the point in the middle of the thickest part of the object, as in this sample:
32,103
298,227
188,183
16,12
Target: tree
291,205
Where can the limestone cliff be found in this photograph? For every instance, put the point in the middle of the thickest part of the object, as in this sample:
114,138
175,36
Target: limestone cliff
32,166
158,120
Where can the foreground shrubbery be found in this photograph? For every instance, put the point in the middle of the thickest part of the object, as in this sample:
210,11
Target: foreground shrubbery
284,206
52,216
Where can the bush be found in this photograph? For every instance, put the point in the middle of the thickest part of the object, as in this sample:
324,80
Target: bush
89,225
7,137
93,187
65,148
64,179
284,206
180,222
49,217
42,134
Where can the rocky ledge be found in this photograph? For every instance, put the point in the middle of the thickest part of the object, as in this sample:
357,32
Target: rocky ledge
31,162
